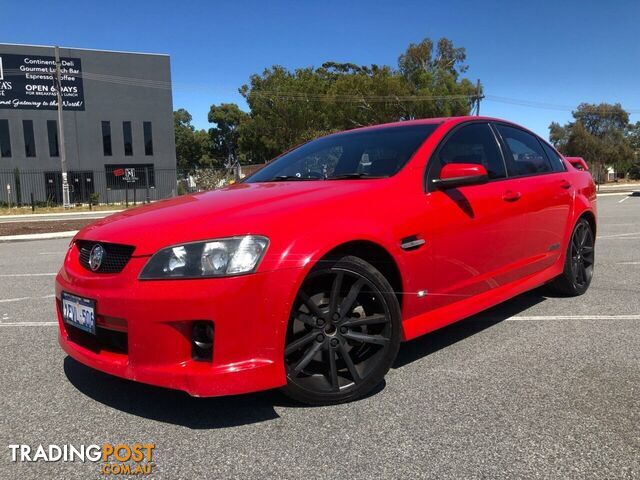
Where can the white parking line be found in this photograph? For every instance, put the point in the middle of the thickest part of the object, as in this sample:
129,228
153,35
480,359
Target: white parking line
28,275
625,198
572,317
20,299
610,194
624,238
51,253
617,235
517,318
27,324
628,263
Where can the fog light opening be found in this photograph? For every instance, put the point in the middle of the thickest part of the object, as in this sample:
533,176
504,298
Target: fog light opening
202,341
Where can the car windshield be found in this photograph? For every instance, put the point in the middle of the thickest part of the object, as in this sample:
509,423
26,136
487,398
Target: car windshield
375,153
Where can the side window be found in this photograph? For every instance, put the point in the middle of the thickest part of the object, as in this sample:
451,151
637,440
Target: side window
526,156
474,143
556,162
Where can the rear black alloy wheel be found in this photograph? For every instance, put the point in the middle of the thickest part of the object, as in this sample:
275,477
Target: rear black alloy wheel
582,255
343,334
578,269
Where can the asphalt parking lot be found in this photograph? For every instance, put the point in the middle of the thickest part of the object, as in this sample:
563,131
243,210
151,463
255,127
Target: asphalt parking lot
536,388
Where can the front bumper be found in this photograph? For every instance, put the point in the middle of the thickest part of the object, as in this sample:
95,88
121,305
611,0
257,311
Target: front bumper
152,321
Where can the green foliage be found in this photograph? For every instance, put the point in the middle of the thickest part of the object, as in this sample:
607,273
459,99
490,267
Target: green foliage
633,134
193,147
600,134
94,198
209,179
291,107
228,120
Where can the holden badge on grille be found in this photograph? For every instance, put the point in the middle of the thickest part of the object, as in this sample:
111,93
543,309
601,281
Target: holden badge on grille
96,256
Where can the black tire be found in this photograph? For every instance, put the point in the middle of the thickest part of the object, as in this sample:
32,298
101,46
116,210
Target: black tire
579,262
343,335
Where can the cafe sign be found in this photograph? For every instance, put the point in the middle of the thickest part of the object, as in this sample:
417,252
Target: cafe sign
27,82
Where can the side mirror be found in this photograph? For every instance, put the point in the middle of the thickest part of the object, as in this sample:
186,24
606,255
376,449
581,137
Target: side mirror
455,175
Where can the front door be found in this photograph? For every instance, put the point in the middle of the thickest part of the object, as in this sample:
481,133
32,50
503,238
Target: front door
475,230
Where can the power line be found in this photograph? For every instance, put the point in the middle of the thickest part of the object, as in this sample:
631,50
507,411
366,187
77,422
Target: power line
128,81
347,98
549,106
320,96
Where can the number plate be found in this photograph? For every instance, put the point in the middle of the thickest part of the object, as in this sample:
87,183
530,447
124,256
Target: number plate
79,312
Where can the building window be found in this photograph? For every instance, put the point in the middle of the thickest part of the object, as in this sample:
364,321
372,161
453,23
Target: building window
29,138
52,131
148,138
106,139
119,176
128,138
5,139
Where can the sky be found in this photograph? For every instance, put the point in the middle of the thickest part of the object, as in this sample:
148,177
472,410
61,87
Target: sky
548,56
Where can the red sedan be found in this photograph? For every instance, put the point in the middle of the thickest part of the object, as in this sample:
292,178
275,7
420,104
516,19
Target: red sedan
309,273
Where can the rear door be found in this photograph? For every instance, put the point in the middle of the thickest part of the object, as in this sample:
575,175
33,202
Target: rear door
545,192
475,230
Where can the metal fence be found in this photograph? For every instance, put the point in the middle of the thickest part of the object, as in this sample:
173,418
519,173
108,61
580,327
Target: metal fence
113,185
40,187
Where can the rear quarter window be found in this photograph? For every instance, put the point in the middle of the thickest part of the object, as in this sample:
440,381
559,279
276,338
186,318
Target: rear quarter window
526,155
556,161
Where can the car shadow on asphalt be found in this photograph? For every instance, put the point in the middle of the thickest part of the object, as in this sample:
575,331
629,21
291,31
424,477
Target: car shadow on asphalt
172,406
444,337
178,408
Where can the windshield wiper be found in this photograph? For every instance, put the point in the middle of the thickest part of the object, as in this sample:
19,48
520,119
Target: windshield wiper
285,178
345,176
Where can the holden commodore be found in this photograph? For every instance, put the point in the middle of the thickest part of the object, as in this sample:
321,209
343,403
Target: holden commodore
309,274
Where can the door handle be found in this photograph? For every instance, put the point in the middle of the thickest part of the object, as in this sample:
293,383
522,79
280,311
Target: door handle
511,196
565,184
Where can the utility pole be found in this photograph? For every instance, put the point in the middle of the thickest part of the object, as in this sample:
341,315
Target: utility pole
63,151
478,98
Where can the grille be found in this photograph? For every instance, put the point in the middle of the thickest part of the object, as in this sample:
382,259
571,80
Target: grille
115,256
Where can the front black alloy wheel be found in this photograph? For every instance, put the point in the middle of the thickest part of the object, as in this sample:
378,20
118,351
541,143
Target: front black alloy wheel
343,333
578,268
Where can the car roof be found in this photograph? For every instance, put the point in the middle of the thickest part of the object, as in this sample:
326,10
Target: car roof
450,121
431,121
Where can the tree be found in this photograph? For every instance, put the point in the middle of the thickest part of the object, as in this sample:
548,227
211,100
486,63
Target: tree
193,147
290,107
420,58
633,134
228,120
599,134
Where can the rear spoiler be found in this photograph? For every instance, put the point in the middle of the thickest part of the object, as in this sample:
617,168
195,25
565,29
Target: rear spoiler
577,162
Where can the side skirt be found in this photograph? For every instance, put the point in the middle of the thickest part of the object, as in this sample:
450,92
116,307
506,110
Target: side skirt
428,322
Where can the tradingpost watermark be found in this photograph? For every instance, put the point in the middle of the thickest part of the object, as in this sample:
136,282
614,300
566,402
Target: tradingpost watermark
112,459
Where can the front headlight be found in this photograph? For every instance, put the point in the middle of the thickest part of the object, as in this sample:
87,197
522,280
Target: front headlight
213,258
